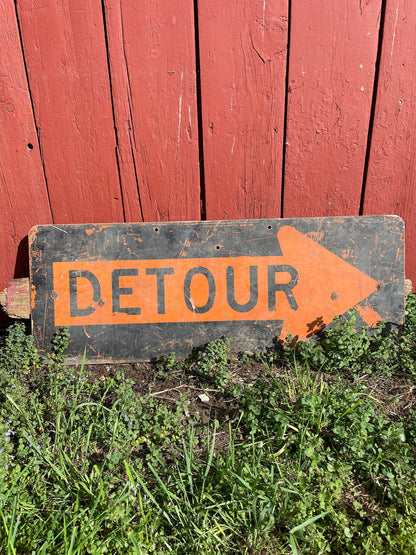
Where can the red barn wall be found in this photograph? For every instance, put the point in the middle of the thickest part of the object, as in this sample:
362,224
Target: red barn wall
197,109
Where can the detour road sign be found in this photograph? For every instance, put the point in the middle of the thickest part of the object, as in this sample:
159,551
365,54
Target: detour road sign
131,292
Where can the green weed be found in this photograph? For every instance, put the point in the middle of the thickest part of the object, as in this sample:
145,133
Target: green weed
307,459
211,362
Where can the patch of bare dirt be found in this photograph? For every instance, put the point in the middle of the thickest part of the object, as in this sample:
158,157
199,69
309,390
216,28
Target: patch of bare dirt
201,398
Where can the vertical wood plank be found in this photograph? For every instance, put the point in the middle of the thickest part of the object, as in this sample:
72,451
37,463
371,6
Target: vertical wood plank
23,195
65,51
391,177
122,104
243,47
332,59
152,61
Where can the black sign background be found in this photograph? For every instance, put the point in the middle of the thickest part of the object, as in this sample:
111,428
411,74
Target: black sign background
375,245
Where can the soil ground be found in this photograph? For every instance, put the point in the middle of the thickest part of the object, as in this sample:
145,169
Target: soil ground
395,394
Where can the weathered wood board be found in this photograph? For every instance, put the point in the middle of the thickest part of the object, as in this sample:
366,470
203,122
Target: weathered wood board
130,292
151,55
23,192
64,47
15,299
391,179
243,50
332,60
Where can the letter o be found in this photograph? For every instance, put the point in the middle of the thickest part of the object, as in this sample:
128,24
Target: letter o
187,289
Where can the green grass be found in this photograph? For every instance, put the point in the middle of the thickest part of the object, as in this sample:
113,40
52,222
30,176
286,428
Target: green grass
317,455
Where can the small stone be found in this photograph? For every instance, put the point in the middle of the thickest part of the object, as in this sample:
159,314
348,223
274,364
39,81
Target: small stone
203,398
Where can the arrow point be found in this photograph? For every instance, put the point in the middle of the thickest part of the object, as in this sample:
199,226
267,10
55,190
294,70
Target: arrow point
327,286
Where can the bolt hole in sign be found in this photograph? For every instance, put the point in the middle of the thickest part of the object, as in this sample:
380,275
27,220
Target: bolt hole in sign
133,292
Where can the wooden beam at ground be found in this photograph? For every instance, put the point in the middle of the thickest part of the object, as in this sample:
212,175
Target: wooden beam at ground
15,299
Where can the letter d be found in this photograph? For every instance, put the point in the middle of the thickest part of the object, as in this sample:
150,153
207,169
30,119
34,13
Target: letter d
75,311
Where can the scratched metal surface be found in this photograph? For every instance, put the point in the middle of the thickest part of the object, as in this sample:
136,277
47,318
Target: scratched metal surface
372,244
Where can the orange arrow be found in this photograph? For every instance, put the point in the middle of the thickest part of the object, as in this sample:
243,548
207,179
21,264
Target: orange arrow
328,286
306,287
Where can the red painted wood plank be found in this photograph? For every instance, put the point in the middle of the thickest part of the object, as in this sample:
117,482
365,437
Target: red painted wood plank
121,94
391,178
152,60
23,194
243,47
332,58
65,51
